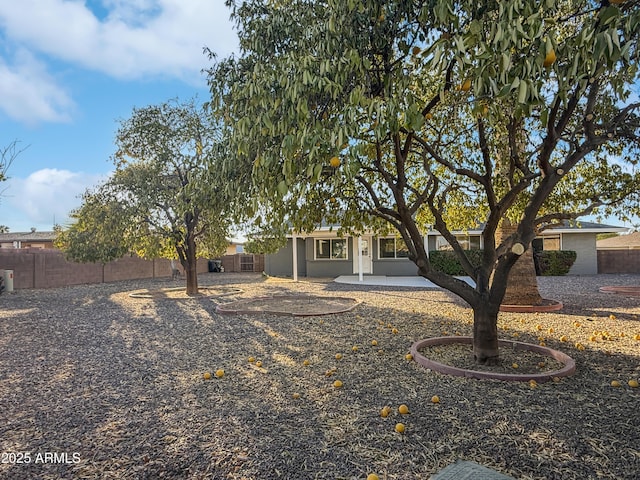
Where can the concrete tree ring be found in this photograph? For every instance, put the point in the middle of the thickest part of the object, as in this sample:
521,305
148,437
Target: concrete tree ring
567,370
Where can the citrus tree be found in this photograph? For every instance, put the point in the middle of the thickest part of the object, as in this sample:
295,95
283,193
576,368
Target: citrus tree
164,198
448,114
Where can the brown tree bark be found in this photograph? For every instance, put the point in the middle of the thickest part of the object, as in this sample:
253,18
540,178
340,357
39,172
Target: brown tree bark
522,286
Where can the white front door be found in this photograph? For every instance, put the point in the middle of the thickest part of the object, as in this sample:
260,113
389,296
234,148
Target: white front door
365,252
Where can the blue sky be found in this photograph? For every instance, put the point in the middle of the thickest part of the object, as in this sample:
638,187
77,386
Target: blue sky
71,69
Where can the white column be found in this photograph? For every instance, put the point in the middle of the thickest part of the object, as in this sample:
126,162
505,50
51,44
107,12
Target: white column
295,257
360,276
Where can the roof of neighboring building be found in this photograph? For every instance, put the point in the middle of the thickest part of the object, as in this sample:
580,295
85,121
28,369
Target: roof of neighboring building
631,240
27,237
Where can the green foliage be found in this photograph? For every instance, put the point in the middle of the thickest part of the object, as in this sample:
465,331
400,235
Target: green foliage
379,85
164,198
447,261
555,262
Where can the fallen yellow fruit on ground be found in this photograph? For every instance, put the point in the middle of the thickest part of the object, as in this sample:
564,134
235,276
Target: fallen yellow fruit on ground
615,383
220,373
403,409
435,399
258,364
374,342
637,337
533,383
338,356
386,410
400,427
296,395
563,338
252,359
394,331
408,356
514,365
306,363
337,384
354,348
206,376
633,383
373,476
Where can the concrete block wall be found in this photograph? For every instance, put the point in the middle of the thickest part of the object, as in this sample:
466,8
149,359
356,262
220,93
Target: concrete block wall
47,268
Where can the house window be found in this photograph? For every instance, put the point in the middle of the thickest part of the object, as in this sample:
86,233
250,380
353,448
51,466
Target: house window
467,242
331,248
392,248
551,242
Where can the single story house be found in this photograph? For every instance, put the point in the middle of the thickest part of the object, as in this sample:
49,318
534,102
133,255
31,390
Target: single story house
322,253
32,239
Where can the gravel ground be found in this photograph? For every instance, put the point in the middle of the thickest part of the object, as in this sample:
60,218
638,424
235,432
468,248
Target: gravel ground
96,384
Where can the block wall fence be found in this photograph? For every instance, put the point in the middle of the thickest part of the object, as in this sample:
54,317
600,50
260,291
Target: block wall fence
47,268
618,261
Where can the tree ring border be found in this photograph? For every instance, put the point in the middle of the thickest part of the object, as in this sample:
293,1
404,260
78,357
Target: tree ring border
568,362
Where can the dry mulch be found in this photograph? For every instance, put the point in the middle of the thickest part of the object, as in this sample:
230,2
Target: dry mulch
118,381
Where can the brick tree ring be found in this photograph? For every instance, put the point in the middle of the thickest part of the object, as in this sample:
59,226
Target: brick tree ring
569,365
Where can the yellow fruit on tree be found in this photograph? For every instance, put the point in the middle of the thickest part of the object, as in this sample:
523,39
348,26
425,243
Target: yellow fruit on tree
400,427
550,58
416,50
334,162
403,409
206,376
466,85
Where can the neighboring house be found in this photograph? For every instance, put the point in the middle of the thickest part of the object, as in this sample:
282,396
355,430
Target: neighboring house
322,253
234,247
629,241
32,239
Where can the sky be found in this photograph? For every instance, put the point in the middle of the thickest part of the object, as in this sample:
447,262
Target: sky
70,70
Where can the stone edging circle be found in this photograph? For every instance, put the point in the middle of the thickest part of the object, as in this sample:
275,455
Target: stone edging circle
633,290
553,306
225,292
240,306
568,362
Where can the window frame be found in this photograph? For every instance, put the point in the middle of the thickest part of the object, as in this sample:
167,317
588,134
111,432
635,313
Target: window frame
395,249
331,248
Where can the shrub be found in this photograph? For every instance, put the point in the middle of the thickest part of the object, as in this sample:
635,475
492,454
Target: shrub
554,262
446,261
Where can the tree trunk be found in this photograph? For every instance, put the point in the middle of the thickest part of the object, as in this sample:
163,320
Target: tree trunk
191,267
522,286
485,333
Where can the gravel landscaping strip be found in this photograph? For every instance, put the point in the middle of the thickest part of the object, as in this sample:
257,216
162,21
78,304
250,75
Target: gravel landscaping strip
97,384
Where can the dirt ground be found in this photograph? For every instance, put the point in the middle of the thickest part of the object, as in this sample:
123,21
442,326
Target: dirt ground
97,384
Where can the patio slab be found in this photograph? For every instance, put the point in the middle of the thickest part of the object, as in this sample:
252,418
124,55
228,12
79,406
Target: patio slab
382,280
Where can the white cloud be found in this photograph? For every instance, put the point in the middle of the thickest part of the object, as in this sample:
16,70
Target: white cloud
29,94
135,39
44,195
